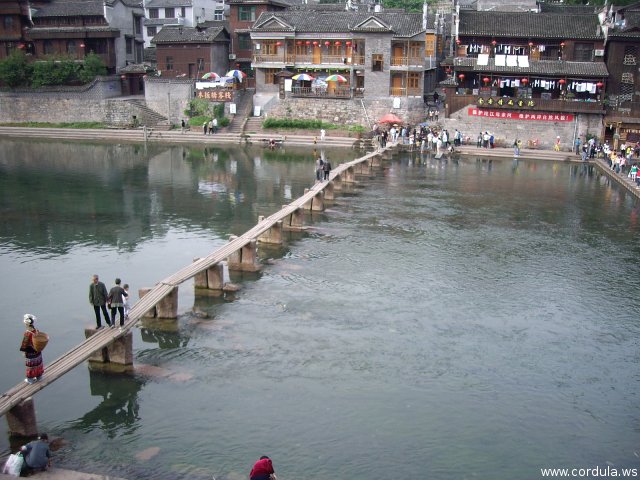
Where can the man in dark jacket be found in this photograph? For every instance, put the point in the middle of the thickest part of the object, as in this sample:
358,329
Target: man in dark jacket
98,298
36,455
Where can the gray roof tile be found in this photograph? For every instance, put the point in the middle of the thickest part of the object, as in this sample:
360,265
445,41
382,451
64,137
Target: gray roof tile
529,25
190,35
168,3
540,67
315,21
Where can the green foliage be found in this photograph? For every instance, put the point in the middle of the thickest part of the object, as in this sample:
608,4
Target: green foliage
356,129
218,110
54,72
297,124
15,70
223,122
198,107
199,120
407,5
92,67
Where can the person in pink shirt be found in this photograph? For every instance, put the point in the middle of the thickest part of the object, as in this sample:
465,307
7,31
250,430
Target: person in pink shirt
263,470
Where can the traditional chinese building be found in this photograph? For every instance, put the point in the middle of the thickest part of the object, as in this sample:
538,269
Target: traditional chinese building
192,51
14,19
111,29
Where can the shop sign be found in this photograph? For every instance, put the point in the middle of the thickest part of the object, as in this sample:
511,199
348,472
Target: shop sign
213,94
533,116
506,102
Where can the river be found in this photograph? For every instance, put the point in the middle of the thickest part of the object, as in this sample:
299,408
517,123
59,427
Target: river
442,320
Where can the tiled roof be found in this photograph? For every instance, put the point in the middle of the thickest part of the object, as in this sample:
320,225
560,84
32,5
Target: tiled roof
632,27
279,3
539,67
78,8
449,82
161,21
149,55
189,35
529,25
168,3
571,9
39,31
314,21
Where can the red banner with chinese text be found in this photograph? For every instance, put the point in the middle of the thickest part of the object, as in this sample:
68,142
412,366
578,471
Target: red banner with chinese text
535,116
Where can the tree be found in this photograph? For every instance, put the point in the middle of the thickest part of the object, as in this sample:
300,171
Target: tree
15,70
54,72
92,67
408,5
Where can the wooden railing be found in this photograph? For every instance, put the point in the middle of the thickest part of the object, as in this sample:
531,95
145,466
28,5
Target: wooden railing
338,92
407,61
457,102
624,110
405,92
292,59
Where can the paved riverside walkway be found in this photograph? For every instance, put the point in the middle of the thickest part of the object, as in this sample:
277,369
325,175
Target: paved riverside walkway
61,474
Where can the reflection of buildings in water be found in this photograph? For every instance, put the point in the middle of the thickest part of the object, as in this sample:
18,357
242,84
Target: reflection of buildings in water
163,338
119,406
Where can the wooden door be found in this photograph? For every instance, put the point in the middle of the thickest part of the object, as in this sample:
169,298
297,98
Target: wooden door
317,57
396,85
398,55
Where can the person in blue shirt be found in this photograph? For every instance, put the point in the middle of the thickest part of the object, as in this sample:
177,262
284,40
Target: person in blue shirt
36,454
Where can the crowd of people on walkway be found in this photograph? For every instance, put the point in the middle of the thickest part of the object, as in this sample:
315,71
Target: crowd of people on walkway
421,137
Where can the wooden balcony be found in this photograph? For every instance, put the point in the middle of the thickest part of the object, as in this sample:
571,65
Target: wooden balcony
407,62
405,92
623,112
457,102
311,60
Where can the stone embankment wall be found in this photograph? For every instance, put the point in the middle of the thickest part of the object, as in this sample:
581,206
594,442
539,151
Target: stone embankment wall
506,131
347,112
60,104
169,96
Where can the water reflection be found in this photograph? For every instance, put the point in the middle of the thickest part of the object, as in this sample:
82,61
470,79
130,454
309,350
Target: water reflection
118,411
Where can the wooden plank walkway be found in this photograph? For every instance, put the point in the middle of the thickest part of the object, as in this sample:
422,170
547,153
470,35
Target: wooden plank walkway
104,337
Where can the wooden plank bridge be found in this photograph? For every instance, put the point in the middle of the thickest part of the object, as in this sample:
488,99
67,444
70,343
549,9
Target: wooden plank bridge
344,172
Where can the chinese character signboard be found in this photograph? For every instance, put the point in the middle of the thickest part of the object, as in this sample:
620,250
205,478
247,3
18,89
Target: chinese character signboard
506,102
533,116
215,95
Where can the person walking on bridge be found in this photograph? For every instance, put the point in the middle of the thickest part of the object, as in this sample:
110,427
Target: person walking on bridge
117,294
98,298
33,358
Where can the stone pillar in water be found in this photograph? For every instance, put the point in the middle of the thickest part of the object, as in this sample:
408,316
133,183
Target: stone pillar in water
273,235
22,419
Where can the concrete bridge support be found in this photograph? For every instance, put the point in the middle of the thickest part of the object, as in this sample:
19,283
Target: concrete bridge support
115,357
165,308
210,279
349,175
245,259
337,183
316,203
295,221
273,235
328,192
22,419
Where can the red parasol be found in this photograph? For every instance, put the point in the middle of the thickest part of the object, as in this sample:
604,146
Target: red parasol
390,118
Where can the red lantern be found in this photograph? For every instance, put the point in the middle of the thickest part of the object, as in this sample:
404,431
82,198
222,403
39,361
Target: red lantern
278,43
461,76
493,42
348,44
82,45
599,84
531,44
458,41
562,81
327,43
307,42
524,81
299,42
562,44
337,43
315,43
485,79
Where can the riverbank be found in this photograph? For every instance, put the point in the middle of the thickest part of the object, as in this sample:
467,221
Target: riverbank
62,474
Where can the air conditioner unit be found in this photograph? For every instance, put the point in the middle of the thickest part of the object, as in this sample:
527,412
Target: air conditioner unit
232,56
599,53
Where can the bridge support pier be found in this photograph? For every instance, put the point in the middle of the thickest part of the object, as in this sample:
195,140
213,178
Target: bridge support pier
295,221
210,279
349,175
337,182
273,235
328,192
167,307
22,419
316,203
115,357
245,259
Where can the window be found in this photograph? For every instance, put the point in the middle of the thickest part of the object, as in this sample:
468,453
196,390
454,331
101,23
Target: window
183,12
415,51
137,24
71,47
218,15
151,31
413,80
244,41
169,63
153,13
169,13
270,76
246,14
200,64
430,46
129,43
7,21
47,47
583,52
629,55
627,78
377,62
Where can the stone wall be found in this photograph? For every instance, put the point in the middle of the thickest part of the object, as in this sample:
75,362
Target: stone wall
169,96
59,104
347,112
505,131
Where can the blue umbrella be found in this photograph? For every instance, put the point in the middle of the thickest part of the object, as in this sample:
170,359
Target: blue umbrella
239,74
